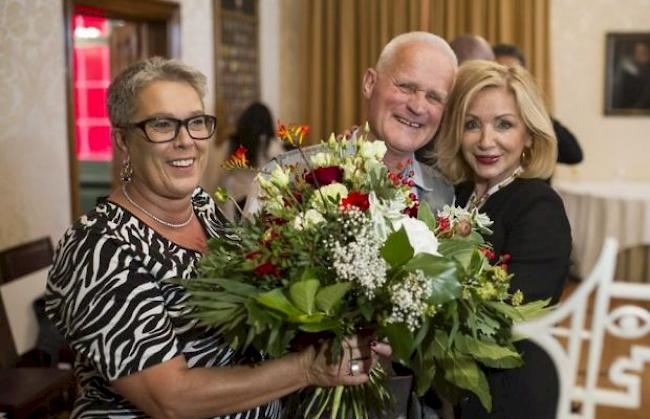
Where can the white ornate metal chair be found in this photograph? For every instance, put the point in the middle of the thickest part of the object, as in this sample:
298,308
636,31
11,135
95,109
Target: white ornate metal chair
565,343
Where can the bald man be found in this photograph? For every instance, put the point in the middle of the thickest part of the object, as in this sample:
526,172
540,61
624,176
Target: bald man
471,47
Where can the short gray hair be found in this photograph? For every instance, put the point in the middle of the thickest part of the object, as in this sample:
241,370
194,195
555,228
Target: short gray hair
393,46
124,90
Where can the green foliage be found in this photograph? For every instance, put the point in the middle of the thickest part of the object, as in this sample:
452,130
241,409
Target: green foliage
397,249
426,215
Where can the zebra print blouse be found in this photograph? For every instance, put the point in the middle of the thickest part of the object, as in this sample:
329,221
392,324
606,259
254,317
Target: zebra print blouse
107,294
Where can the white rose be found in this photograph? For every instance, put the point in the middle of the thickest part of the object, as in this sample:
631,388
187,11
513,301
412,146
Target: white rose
320,200
313,217
372,150
384,216
422,239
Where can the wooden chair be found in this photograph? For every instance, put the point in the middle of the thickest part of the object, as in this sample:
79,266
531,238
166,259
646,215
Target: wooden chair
568,336
23,270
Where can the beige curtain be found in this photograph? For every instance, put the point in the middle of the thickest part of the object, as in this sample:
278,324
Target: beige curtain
330,43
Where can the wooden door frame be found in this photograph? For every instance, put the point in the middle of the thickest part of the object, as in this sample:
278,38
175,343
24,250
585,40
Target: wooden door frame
167,12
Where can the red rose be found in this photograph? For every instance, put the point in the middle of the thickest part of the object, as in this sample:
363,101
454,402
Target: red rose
356,199
324,176
412,211
267,268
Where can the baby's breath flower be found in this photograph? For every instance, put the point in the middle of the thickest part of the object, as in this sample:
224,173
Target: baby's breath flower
355,257
408,299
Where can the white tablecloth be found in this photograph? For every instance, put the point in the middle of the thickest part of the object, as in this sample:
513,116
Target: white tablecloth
597,210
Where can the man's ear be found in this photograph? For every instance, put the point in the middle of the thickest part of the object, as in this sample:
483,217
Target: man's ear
369,81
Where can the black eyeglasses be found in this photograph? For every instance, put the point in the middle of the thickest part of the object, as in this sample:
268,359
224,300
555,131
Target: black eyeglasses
164,129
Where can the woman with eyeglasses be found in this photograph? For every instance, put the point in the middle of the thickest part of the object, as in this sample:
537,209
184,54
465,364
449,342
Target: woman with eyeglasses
137,354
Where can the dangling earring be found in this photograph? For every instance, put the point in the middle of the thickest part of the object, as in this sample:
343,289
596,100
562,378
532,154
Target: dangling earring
524,157
126,173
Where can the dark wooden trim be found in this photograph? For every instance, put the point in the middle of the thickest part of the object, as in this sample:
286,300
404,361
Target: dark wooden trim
8,355
148,10
24,259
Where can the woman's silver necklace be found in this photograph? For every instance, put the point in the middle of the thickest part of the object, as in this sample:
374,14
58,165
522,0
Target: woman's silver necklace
153,217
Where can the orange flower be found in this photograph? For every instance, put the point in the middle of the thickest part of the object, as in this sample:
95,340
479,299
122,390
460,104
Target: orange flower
238,160
293,134
283,133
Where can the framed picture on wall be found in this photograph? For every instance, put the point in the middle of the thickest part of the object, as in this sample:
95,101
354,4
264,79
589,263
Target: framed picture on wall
627,73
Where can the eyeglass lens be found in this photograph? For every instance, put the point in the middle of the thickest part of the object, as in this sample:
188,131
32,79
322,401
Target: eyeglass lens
199,127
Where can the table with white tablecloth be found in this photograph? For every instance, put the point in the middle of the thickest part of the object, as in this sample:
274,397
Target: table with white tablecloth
600,209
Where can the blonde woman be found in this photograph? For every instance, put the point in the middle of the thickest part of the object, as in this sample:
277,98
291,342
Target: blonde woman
497,146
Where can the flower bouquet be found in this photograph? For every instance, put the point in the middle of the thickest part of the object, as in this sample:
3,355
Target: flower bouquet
341,245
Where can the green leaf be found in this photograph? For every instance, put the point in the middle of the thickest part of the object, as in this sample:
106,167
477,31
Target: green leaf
328,297
438,347
397,249
506,309
426,215
523,312
237,287
442,274
464,372
322,326
534,309
425,370
486,323
422,333
366,309
459,248
276,300
488,353
303,294
401,340
258,319
307,318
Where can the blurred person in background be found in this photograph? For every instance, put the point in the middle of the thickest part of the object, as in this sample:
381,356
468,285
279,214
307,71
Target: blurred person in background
255,131
471,47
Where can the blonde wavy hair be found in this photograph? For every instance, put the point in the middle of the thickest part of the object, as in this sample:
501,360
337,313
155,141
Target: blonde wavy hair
473,77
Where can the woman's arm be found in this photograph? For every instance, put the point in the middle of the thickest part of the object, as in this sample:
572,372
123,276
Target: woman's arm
172,390
539,241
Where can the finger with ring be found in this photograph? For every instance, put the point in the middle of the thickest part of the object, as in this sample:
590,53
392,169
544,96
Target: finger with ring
356,367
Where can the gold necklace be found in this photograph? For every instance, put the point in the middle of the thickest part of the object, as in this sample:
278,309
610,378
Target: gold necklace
476,202
153,217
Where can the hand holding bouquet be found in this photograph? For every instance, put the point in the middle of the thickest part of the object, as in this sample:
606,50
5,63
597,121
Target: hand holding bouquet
337,251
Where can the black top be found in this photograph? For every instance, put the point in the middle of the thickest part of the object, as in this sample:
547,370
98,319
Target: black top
568,149
531,225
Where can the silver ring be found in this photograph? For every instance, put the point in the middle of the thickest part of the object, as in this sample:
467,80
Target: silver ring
356,366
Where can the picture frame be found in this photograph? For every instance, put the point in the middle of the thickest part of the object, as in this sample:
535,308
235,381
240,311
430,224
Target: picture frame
627,74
